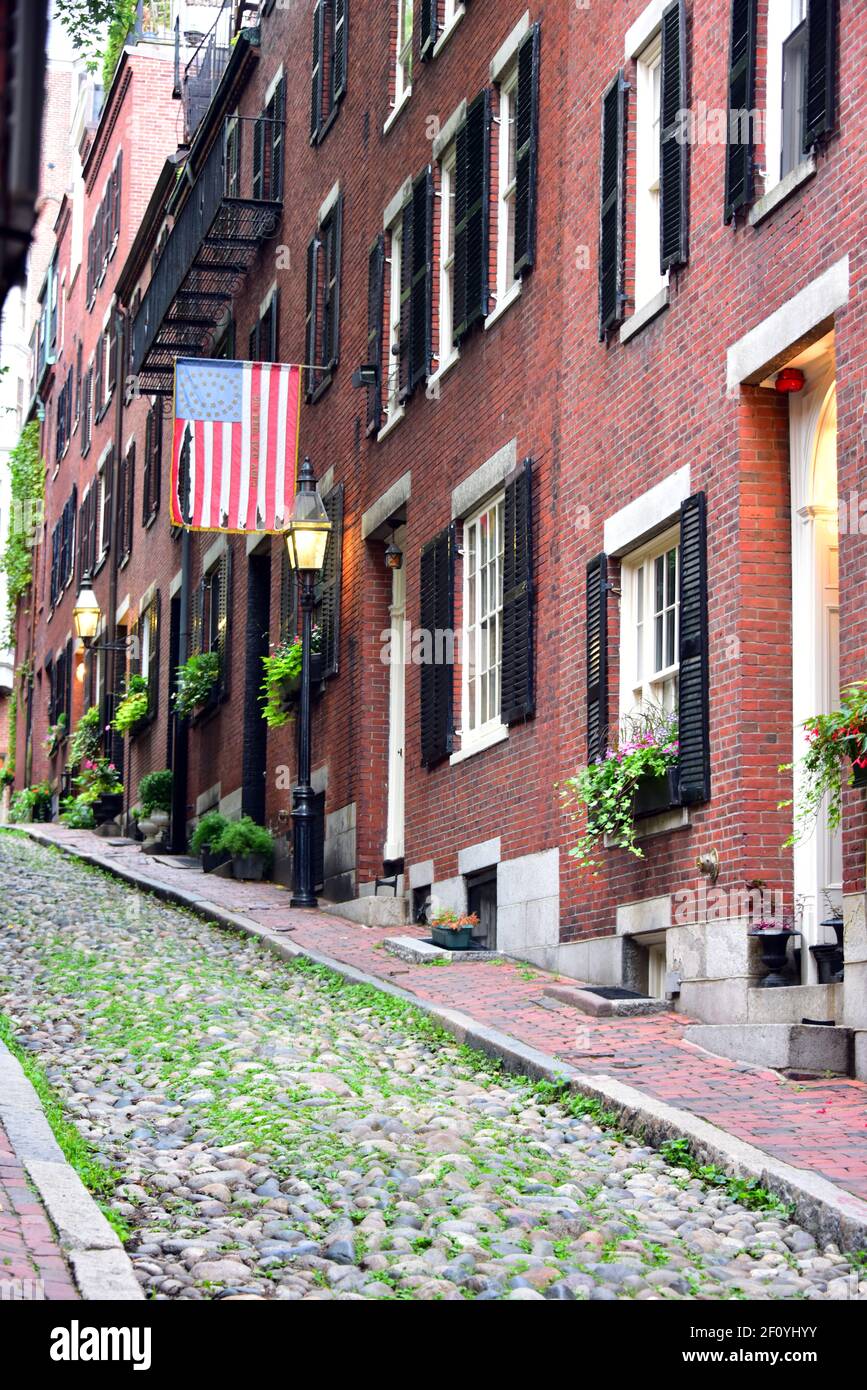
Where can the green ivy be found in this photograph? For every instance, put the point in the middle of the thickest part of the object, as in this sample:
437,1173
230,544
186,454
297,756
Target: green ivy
119,26
195,682
836,745
27,490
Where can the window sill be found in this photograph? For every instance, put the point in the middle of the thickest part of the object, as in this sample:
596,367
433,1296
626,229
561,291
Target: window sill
320,390
645,315
396,110
146,525
479,743
434,381
393,420
513,292
319,135
448,31
801,174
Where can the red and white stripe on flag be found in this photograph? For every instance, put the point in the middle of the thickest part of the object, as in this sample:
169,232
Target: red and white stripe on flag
235,445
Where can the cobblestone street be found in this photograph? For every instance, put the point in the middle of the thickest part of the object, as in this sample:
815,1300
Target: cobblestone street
272,1132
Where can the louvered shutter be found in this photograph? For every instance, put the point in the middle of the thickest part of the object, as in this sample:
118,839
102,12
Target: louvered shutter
98,380
146,471
673,152
197,618
611,207
597,658
437,600
310,324
406,261
55,564
741,96
79,380
317,68
517,687
224,621
70,388
233,160
821,76
472,216
340,49
693,715
276,145
156,456
90,266
257,188
93,527
111,365
288,604
108,476
429,27
64,547
153,619
375,312
118,171
331,347
421,308
81,541
527,149
328,587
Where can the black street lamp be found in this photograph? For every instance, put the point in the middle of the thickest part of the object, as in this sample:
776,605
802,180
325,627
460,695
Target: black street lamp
306,540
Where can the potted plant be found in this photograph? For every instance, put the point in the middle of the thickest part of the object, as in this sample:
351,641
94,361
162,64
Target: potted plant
86,737
7,777
155,801
205,839
774,935
55,736
195,683
282,678
453,930
836,753
133,707
77,814
636,776
31,804
250,847
99,786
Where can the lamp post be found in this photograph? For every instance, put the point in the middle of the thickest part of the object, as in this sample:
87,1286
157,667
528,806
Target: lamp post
306,540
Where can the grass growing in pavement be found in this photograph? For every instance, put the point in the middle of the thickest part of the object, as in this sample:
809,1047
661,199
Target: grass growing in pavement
99,1179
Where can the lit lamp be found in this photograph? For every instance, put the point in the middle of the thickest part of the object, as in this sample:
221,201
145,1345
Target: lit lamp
306,542
86,613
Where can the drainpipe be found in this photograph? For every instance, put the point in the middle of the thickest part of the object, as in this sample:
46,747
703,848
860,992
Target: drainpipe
112,656
180,759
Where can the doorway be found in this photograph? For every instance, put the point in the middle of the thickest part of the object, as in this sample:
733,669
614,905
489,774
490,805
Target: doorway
395,816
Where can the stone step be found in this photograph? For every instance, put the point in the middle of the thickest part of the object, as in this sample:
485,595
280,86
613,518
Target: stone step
799,1047
372,911
416,951
599,1007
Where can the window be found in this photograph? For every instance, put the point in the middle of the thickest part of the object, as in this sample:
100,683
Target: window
87,412
483,607
265,337
63,548
395,265
437,18
148,634
648,278
506,183
403,69
651,632
328,72
268,145
447,349
211,620
125,502
153,457
105,478
786,71
323,300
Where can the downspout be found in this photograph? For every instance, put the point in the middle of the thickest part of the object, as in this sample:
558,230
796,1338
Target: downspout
112,655
180,758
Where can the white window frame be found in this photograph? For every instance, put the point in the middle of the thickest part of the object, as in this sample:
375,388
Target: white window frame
649,280
642,683
478,731
403,56
783,18
103,522
507,151
448,352
392,405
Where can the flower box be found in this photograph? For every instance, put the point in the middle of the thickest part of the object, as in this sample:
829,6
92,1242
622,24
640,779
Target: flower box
653,795
450,940
213,859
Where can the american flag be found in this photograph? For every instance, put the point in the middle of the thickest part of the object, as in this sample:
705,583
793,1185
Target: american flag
235,447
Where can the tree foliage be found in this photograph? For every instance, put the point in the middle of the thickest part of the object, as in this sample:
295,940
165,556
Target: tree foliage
27,489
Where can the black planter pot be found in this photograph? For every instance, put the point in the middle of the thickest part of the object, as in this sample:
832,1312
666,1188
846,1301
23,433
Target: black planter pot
212,861
774,946
107,807
829,963
654,795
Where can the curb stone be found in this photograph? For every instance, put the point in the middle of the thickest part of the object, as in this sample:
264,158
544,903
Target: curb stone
99,1262
828,1212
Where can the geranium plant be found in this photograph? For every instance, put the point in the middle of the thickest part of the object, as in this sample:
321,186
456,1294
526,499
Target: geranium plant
602,796
195,682
836,745
282,669
97,777
134,705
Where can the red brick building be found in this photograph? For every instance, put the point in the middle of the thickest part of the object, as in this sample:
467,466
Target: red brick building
574,247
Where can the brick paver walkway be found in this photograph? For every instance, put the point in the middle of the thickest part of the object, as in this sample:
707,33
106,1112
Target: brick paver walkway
817,1125
31,1263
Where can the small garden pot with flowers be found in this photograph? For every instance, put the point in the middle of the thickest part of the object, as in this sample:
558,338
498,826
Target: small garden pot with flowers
773,935
133,708
637,776
99,786
282,680
836,756
453,930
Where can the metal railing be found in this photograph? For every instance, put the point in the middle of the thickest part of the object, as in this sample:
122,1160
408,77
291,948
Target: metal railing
197,81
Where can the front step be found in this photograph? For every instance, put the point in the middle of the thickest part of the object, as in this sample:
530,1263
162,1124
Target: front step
796,1047
372,911
604,1003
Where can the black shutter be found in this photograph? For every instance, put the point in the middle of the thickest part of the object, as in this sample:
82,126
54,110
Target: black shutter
339,46
429,27
153,620
611,206
317,68
741,95
673,152
55,565
437,596
421,296
98,387
224,620
93,527
146,471
79,380
128,497
406,256
277,133
821,77
472,216
89,267
288,604
527,149
310,326
328,587
693,715
597,658
118,170
108,476
332,290
517,687
257,188
156,456
197,619
375,311
112,356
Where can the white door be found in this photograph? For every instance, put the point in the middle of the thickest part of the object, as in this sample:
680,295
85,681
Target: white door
394,841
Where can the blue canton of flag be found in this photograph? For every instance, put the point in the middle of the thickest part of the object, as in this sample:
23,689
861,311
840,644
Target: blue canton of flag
210,391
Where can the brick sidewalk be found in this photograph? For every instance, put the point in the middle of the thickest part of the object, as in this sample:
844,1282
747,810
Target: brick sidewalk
31,1264
818,1125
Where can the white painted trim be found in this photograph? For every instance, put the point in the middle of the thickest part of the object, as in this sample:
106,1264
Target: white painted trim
448,30
434,381
176,583
147,598
122,611
396,109
639,34
272,87
329,204
749,358
781,190
214,553
385,505
394,419
396,205
646,314
508,299
268,298
650,512
449,130
484,481
508,51
494,734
